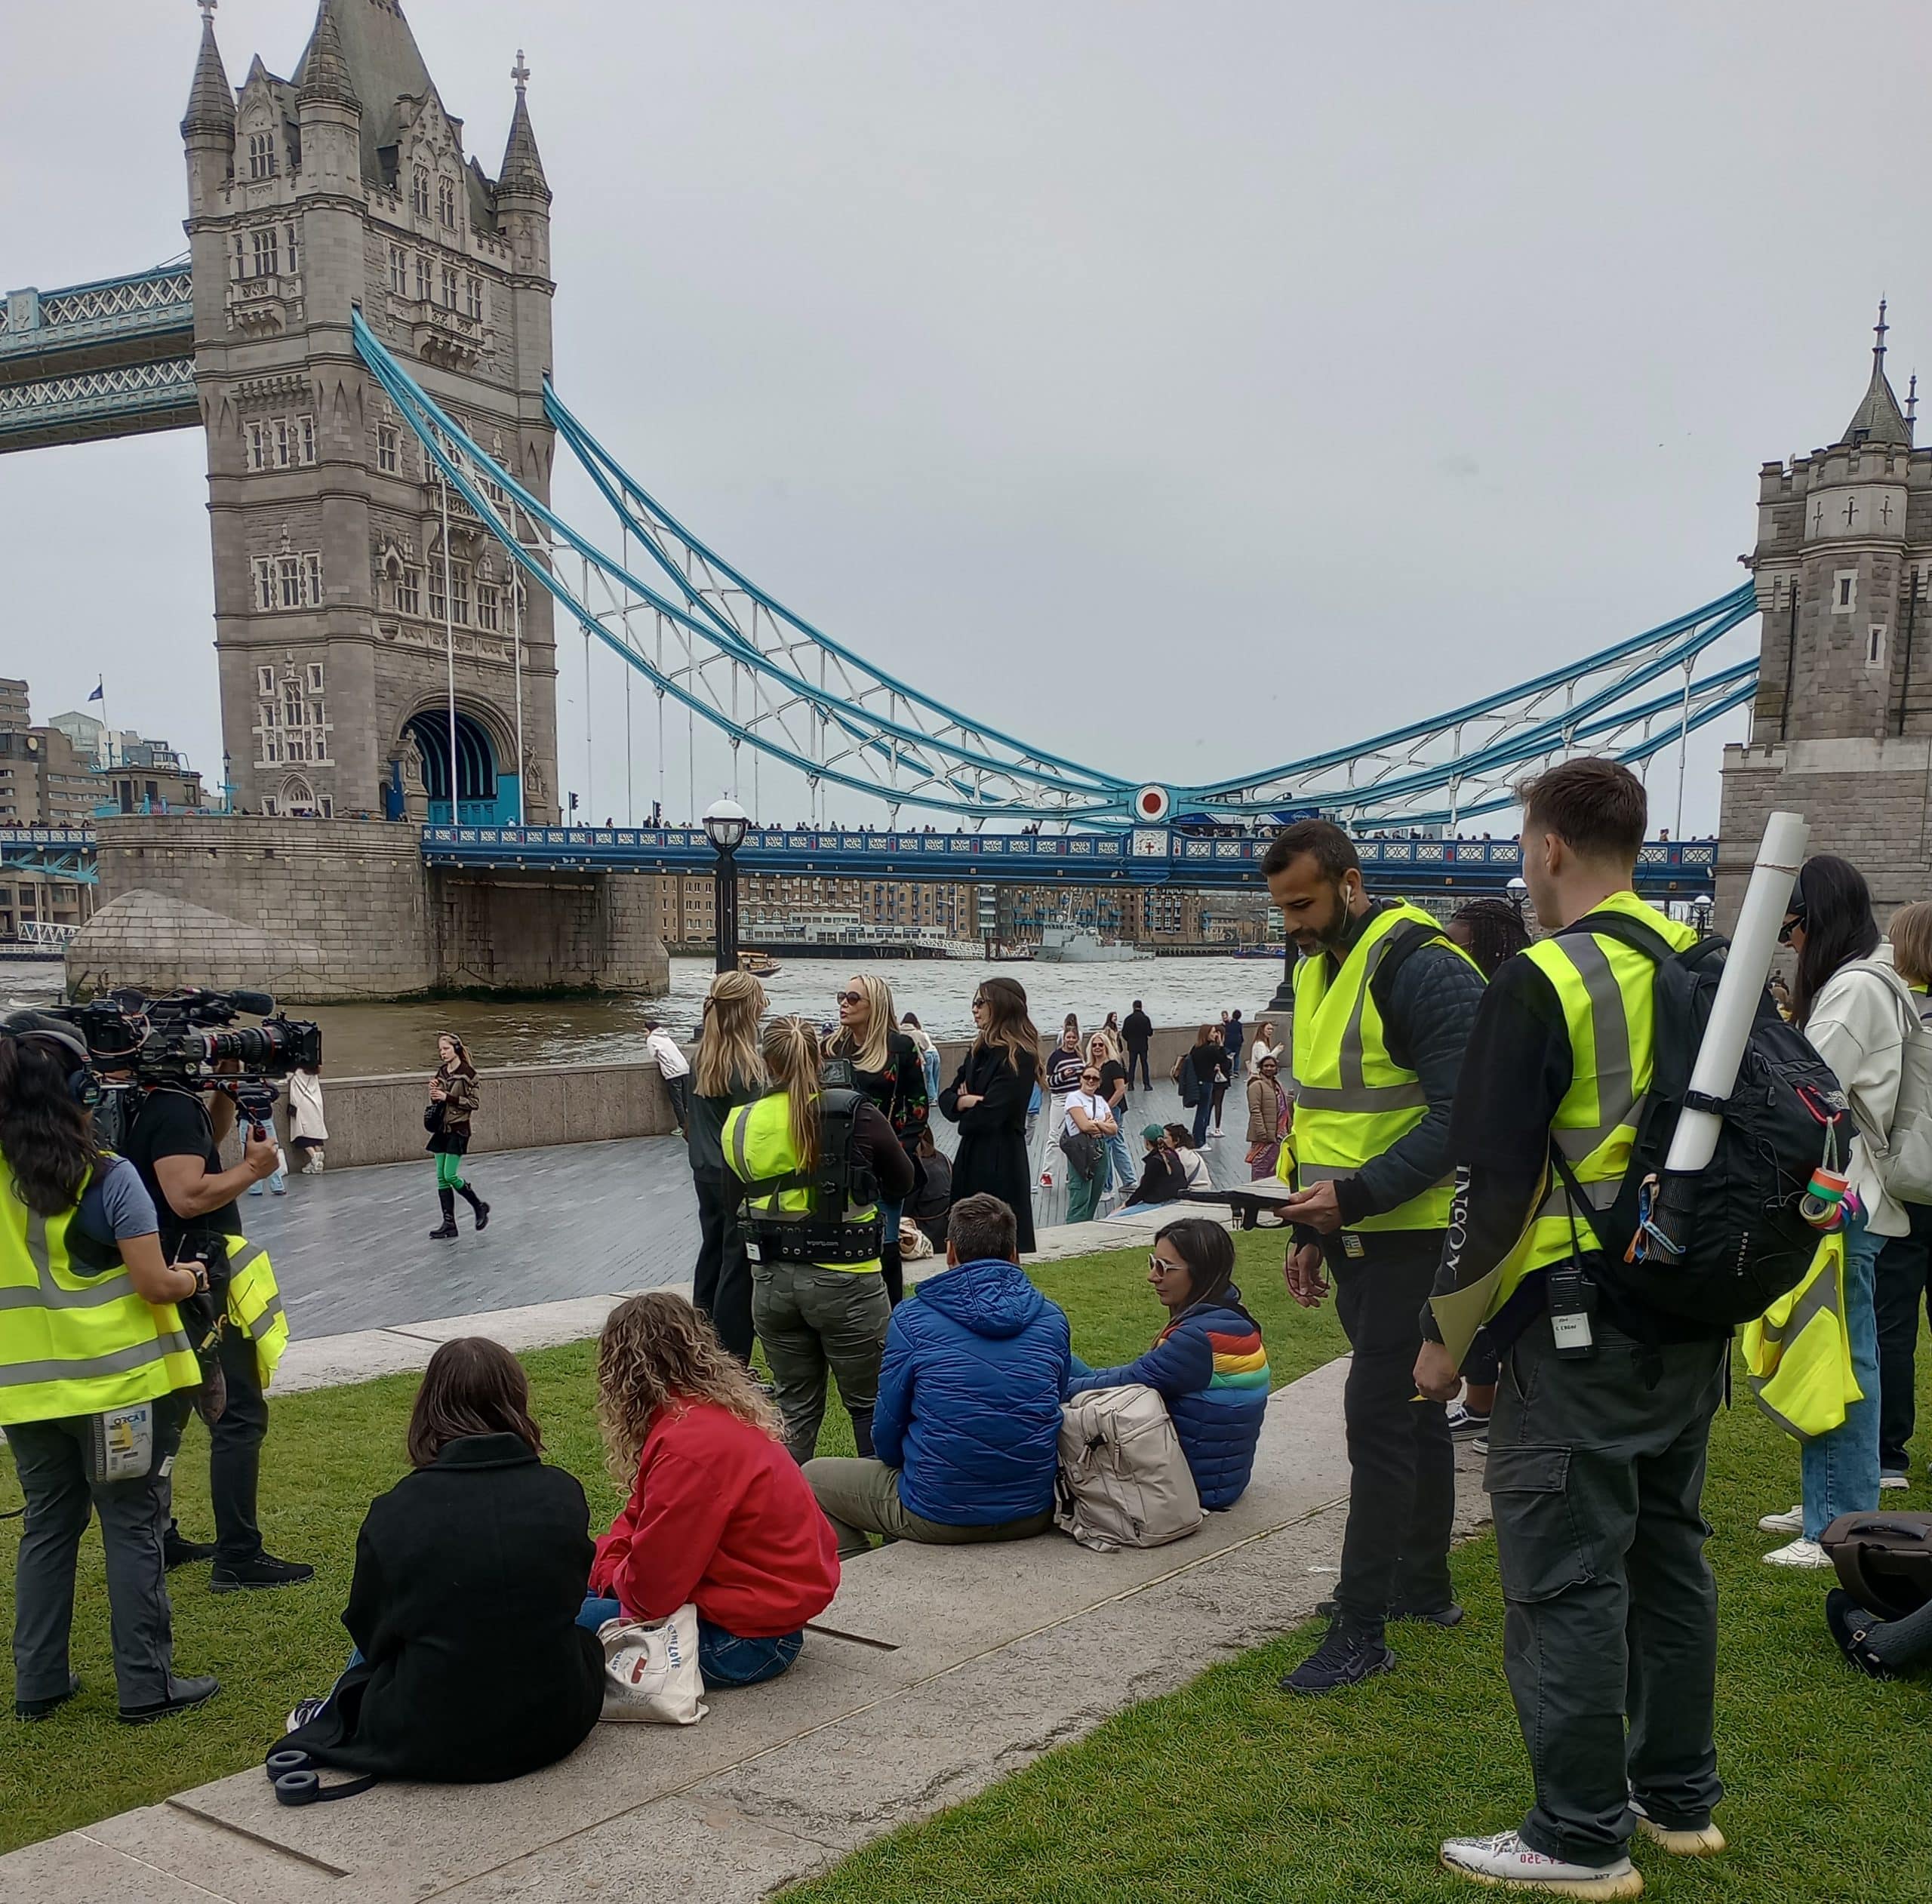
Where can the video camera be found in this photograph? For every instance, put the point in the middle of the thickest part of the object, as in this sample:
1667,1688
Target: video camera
136,1043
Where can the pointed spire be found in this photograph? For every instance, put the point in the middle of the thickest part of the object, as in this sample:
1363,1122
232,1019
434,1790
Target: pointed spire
1879,418
324,75
210,100
523,169
1911,401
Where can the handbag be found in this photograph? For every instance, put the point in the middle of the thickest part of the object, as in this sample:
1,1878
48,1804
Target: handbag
650,1670
433,1115
1081,1149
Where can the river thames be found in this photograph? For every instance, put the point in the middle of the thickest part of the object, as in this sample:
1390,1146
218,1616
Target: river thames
375,1040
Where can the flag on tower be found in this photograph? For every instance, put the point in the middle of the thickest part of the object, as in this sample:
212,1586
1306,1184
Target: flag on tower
99,689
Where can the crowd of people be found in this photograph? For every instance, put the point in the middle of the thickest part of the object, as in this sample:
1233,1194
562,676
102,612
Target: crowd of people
1453,1113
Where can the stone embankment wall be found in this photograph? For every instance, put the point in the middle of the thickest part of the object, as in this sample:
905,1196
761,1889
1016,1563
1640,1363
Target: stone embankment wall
379,1119
335,909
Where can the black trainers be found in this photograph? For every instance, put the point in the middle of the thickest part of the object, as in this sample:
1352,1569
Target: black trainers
177,1550
184,1695
254,1576
1344,1658
32,1711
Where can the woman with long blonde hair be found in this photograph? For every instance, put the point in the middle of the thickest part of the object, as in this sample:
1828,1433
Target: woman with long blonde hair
730,1071
812,1317
988,1101
888,1067
719,1513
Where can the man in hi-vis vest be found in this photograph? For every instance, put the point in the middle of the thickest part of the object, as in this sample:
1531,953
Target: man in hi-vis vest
1603,1411
1383,1006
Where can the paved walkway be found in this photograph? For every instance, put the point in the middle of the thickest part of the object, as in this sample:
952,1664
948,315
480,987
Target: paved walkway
936,1671
352,1248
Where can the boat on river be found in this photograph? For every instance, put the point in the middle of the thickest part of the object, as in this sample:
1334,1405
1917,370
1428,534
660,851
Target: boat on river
760,965
1066,945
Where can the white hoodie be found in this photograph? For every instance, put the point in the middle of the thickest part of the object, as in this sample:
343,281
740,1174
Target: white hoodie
1857,1026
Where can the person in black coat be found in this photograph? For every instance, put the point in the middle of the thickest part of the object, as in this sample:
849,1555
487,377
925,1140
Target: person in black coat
469,1666
988,1101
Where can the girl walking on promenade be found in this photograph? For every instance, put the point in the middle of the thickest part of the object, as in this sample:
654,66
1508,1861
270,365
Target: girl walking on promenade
453,1095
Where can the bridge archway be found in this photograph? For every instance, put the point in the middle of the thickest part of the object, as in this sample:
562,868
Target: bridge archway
484,795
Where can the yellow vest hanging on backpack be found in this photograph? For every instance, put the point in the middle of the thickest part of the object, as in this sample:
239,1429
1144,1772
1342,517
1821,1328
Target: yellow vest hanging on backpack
1797,1354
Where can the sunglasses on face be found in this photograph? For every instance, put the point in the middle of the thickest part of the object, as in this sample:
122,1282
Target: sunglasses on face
979,1004
1089,1077
849,998
1161,1266
1790,925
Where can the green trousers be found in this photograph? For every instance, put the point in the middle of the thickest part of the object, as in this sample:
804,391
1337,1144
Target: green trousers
860,1498
812,1320
449,1171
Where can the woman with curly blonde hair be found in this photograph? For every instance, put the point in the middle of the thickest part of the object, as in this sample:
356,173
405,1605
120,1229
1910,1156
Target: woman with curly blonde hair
719,1515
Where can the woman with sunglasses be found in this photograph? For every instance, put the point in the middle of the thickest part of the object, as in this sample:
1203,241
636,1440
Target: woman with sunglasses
1088,1116
1207,1364
1846,1002
888,1068
988,1100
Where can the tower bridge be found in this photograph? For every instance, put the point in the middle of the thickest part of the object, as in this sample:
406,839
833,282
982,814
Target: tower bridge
362,330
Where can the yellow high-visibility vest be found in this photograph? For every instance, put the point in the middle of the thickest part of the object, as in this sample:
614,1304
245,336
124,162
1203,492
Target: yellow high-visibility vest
1606,989
1352,1100
72,1344
757,1142
254,1304
1797,1354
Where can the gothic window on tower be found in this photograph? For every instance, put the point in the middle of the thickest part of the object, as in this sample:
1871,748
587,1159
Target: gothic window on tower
241,256
437,601
449,287
288,577
312,581
489,613
268,253
409,592
446,202
261,156
305,439
419,193
267,597
1844,592
264,681
472,297
258,446
423,279
460,593
280,429
389,449
1874,647
398,271
293,234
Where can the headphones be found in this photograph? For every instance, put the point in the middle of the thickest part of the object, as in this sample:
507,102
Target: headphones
83,1087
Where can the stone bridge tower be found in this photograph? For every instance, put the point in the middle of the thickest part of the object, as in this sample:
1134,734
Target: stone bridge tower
345,186
1841,729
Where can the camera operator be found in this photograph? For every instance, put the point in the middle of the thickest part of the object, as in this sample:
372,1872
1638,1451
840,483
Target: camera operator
96,1374
175,1144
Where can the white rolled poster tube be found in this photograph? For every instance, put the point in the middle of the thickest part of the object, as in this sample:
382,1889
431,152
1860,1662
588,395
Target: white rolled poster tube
1747,965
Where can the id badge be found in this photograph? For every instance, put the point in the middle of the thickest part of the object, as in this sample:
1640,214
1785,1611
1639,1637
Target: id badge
1353,1246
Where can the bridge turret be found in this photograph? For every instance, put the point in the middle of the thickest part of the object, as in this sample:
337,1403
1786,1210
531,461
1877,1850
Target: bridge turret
523,219
208,130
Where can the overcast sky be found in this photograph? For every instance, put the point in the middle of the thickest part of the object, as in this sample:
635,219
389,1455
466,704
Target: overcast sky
1183,388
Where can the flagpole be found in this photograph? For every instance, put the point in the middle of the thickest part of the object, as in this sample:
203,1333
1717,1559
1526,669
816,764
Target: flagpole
106,732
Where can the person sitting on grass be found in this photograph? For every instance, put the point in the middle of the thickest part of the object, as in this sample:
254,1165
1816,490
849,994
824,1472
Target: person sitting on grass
967,1430
1208,1364
1161,1180
469,1664
719,1513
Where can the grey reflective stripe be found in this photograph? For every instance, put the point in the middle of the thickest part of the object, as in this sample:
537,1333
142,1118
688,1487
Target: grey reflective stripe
1308,1173
18,1375
1352,1094
1598,1196
266,1321
1824,1294
1616,1093
738,1162
50,1295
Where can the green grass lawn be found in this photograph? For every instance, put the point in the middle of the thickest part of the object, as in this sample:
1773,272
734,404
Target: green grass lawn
328,1454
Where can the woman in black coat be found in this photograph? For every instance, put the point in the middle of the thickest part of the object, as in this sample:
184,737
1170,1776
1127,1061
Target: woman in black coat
469,1666
988,1101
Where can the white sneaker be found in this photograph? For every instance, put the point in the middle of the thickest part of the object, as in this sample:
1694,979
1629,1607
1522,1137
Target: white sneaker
1800,1553
1706,1842
1894,1479
1791,1523
1506,1860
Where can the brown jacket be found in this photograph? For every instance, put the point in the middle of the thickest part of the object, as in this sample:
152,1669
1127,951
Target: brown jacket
1265,1099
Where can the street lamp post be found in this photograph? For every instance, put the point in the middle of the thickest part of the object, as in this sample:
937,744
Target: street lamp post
1701,908
1518,890
725,825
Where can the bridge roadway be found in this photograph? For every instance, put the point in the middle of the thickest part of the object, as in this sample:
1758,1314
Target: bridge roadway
1680,869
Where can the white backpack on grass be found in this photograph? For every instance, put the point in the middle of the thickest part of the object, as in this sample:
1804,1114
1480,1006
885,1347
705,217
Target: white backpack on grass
1123,1481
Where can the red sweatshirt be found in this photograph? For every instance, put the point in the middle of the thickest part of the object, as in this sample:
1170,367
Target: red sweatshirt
720,1516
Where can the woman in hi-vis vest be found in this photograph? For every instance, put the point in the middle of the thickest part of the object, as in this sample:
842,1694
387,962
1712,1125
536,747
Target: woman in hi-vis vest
96,1377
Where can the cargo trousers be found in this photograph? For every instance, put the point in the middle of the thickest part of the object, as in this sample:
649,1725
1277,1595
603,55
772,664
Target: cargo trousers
813,1320
1596,1476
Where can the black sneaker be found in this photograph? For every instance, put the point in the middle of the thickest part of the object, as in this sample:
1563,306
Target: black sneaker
1465,1424
1344,1658
262,1572
177,1550
1451,1615
184,1695
32,1711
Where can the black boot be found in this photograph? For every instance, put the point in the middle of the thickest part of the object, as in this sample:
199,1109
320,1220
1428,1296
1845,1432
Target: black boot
447,1228
476,1203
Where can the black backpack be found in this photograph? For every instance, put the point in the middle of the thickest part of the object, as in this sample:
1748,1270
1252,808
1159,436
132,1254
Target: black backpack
1721,1245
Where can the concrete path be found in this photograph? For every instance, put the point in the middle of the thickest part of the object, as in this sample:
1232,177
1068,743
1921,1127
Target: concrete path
935,1671
353,1253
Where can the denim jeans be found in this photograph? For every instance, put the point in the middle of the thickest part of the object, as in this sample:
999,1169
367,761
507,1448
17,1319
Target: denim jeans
1125,1176
724,1659
1841,1469
1203,1111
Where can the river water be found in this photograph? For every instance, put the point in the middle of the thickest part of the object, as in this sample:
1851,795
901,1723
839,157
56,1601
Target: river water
376,1040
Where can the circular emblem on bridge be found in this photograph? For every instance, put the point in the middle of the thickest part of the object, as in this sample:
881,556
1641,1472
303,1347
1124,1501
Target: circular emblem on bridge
1152,805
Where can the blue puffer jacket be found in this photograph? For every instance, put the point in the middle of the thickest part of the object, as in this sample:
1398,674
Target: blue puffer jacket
969,1395
1212,1371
